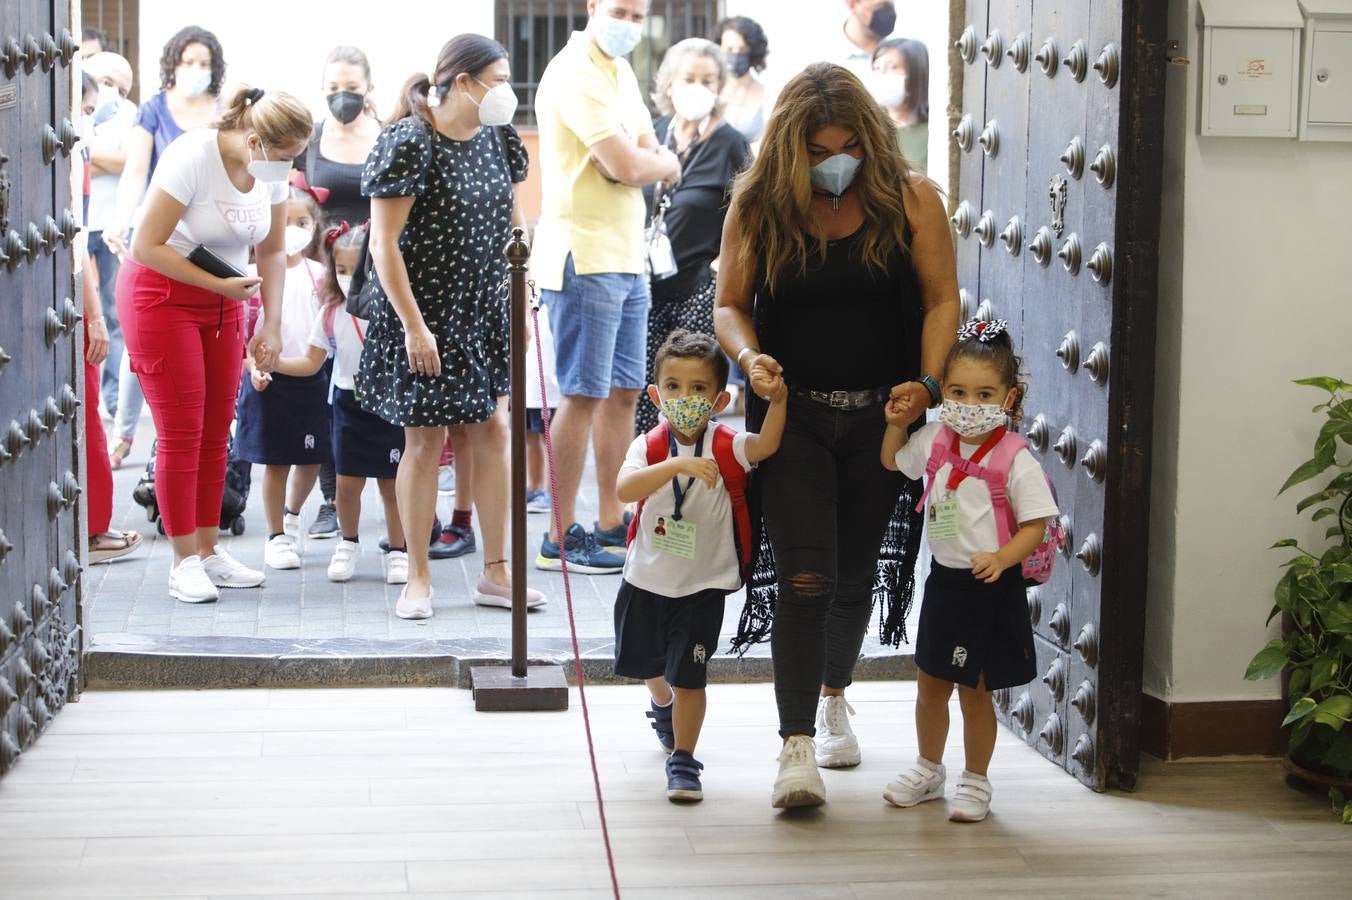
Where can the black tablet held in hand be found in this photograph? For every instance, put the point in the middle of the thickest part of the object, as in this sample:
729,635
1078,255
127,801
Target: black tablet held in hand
212,264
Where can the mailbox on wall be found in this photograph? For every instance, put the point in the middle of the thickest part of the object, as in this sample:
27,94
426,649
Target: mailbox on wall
1326,71
1250,61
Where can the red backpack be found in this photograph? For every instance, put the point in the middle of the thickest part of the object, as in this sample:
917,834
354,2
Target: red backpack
735,480
1037,568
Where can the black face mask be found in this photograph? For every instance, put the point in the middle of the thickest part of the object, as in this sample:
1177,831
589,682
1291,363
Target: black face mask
739,64
346,106
883,20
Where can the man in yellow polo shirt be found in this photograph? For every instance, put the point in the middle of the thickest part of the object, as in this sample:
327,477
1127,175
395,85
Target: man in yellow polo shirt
597,150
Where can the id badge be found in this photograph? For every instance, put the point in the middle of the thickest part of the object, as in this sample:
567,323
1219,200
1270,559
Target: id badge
675,538
943,520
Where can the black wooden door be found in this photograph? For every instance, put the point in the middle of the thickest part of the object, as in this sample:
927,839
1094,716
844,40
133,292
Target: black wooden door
40,382
1058,220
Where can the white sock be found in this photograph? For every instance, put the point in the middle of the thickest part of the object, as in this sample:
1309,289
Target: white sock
932,766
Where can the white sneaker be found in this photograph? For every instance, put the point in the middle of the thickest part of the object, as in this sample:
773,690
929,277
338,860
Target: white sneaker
227,572
188,582
919,782
343,565
396,567
798,783
280,553
291,525
972,800
837,747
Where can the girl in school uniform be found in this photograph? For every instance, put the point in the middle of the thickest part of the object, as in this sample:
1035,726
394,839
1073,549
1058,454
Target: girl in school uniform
284,419
364,445
974,629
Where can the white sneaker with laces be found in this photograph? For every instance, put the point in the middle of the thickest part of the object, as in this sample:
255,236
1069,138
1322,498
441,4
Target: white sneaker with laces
798,783
396,567
291,525
837,746
280,553
971,800
343,565
918,783
188,582
227,572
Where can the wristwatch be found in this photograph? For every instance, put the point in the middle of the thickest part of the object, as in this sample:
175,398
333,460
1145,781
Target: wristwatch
932,385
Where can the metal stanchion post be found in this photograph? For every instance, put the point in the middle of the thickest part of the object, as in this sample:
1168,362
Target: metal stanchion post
519,687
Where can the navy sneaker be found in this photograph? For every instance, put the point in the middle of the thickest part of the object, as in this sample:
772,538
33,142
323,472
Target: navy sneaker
537,502
661,723
617,537
585,555
683,785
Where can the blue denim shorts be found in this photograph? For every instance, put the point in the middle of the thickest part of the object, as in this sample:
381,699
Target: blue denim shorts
600,326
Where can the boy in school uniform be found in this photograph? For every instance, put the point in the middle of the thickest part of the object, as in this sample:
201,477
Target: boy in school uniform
689,543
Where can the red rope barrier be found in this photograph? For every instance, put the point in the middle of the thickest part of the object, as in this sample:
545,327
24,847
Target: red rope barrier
568,595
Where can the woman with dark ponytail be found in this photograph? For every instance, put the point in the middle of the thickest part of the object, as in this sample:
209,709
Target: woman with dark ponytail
443,204
216,192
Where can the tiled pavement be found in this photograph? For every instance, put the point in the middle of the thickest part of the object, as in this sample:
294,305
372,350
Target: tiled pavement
128,597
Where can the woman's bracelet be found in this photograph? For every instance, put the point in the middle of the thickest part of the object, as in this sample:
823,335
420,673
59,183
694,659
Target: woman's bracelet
741,365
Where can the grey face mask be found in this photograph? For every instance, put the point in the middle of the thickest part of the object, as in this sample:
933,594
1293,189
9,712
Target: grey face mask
835,174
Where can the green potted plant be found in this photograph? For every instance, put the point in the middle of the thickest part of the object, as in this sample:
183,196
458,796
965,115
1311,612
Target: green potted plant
1314,599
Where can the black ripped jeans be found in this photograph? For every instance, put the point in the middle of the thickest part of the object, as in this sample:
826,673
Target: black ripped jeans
826,503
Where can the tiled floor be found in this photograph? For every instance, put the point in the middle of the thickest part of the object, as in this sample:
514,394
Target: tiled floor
390,791
129,596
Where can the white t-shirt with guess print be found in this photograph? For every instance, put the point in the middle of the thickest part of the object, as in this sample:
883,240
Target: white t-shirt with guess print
219,215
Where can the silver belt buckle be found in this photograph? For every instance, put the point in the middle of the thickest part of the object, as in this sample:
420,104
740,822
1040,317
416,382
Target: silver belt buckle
840,399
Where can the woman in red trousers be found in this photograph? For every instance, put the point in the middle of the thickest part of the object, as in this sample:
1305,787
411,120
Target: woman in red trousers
104,545
216,191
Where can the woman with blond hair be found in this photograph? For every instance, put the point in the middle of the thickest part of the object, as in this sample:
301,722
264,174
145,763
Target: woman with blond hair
837,275
689,96
216,192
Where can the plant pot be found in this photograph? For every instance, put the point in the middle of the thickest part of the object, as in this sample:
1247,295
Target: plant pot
1315,779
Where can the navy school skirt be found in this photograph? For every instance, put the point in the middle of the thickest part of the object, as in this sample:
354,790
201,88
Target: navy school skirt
364,444
286,425
969,628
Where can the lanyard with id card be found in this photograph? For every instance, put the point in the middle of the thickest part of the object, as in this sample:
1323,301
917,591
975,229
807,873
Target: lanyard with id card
674,536
944,523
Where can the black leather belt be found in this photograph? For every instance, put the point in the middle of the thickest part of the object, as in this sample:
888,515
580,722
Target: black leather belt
846,399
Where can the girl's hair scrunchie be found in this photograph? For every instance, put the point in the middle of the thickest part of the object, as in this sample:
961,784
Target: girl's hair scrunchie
983,331
337,231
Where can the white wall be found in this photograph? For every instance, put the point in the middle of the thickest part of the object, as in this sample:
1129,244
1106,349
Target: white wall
1255,291
282,44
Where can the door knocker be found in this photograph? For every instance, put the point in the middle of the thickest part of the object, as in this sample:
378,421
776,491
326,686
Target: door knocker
1056,192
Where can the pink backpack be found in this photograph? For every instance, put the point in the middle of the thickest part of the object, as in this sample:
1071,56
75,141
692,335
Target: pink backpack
1037,568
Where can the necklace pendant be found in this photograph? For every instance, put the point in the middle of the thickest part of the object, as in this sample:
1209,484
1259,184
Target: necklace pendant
835,203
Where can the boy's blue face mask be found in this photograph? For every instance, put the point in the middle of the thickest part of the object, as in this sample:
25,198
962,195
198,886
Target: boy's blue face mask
835,174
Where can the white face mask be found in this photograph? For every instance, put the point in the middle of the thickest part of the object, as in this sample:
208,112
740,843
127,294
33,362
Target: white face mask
297,239
498,107
344,283
888,88
108,104
194,80
693,102
617,37
969,420
266,170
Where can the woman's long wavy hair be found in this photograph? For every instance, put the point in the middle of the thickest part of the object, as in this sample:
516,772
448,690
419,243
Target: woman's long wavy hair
772,199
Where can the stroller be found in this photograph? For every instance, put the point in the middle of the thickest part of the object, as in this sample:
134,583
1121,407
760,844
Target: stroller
238,476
